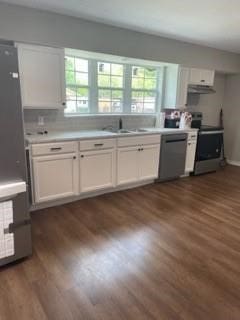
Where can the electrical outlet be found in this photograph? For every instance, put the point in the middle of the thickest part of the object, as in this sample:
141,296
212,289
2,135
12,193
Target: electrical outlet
40,120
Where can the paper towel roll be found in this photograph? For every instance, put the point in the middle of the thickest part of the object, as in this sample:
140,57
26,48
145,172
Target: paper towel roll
160,120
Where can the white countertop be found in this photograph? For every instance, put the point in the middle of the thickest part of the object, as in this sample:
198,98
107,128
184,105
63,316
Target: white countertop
12,188
56,136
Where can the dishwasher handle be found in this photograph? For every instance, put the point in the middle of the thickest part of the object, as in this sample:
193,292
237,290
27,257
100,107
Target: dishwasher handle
175,140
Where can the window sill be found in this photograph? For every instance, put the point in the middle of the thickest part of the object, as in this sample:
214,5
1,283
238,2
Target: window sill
117,115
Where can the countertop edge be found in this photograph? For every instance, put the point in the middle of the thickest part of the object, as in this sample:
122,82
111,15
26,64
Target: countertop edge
39,139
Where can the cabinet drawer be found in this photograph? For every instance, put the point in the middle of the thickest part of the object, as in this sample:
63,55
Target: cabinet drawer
53,148
97,144
138,140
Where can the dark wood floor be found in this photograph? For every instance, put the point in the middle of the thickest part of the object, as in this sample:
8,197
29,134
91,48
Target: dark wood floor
167,251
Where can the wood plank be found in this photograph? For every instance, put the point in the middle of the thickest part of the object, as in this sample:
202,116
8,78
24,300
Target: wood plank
158,252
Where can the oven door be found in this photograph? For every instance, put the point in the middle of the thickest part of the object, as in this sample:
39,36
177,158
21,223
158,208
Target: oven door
209,145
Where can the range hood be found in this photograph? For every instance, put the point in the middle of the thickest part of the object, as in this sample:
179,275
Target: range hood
200,89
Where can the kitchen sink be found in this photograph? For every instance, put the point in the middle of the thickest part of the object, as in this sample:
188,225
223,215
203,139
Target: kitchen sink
124,131
139,130
121,131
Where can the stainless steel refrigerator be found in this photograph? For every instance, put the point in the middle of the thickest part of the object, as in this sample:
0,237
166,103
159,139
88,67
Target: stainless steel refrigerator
15,224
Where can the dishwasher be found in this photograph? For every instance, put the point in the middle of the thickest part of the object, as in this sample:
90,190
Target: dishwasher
172,156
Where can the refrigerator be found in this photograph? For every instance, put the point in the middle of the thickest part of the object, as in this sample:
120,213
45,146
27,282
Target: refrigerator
15,223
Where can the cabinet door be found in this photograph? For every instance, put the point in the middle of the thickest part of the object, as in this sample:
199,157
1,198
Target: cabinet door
149,162
97,170
182,89
41,76
201,76
207,77
190,156
127,165
55,177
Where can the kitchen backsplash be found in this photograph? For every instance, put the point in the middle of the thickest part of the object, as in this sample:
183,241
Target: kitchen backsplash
55,120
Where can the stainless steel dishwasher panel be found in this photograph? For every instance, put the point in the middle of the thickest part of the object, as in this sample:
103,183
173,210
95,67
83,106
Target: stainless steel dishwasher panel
172,156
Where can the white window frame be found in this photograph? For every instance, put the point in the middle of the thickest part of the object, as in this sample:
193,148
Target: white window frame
127,86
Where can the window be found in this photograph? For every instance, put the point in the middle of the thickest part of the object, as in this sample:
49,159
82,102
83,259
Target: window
144,89
110,87
98,86
77,88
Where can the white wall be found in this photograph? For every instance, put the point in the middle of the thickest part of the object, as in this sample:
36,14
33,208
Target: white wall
29,25
232,118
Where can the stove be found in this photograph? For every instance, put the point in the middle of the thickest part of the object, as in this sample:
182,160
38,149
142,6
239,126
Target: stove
209,146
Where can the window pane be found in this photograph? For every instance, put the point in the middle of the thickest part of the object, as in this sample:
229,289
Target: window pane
104,68
69,63
104,106
150,84
71,93
104,94
137,83
103,81
71,106
116,82
137,95
82,92
137,71
149,102
150,73
82,106
117,70
81,78
116,106
81,65
149,107
137,101
70,77
117,94
149,96
137,106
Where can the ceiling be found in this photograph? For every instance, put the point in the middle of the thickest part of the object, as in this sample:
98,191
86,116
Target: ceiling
213,23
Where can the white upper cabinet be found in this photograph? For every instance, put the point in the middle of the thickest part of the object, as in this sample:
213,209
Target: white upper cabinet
41,76
176,85
182,88
201,77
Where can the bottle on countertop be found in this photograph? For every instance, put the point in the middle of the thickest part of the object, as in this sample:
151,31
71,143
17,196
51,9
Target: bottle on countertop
120,126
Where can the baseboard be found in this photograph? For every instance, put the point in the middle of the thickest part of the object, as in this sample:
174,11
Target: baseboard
234,163
53,203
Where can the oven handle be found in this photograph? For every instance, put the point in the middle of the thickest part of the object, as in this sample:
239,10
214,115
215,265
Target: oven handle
210,132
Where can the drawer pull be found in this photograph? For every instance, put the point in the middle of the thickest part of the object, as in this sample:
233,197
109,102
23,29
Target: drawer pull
56,149
98,144
82,156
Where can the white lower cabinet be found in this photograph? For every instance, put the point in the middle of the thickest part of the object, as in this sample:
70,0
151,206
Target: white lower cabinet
191,151
97,169
149,162
55,176
127,165
137,163
66,169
